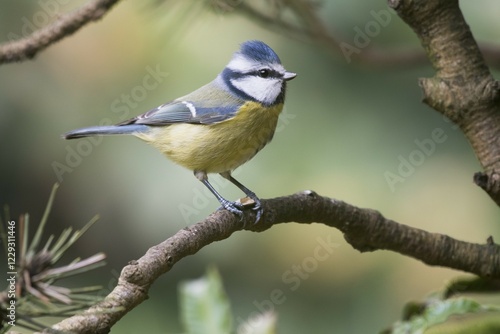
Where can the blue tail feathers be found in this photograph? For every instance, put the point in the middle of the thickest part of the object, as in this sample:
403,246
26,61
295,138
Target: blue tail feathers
106,130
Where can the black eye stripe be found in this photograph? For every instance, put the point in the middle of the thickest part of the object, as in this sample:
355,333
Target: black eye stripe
265,73
229,73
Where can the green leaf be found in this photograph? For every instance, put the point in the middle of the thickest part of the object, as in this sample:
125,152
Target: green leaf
484,323
263,323
439,311
204,305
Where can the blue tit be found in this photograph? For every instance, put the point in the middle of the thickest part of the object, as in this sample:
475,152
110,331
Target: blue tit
219,126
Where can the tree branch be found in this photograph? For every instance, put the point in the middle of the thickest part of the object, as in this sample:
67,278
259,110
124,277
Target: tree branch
364,229
312,28
463,88
28,47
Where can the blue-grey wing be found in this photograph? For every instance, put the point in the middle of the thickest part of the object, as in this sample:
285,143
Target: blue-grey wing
206,105
184,112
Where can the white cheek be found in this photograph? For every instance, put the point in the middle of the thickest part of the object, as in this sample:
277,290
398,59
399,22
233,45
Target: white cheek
263,90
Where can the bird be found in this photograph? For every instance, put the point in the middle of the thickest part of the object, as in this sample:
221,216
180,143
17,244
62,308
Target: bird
219,126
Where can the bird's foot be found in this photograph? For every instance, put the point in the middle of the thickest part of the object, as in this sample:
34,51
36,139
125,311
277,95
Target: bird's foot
254,201
234,207
238,207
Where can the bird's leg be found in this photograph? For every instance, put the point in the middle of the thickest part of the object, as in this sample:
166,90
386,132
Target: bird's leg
257,207
233,207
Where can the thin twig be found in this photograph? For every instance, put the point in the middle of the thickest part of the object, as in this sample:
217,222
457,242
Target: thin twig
313,29
65,25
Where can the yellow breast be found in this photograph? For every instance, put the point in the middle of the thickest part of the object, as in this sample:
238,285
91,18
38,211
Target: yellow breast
218,147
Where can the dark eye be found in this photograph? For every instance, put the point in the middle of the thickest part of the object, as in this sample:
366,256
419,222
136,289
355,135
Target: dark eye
264,73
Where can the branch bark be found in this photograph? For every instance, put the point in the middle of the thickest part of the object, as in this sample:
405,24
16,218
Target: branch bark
365,229
463,88
28,47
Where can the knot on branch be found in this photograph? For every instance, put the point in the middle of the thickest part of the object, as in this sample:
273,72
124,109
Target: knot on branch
490,183
362,229
132,273
457,98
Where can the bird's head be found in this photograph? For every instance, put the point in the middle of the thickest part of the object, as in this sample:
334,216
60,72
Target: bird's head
255,73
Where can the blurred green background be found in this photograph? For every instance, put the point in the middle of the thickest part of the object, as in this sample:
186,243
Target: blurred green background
346,125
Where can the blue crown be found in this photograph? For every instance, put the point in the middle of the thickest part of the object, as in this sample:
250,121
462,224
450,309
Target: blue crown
259,51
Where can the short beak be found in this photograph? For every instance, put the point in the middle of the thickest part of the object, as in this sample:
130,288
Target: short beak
289,76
